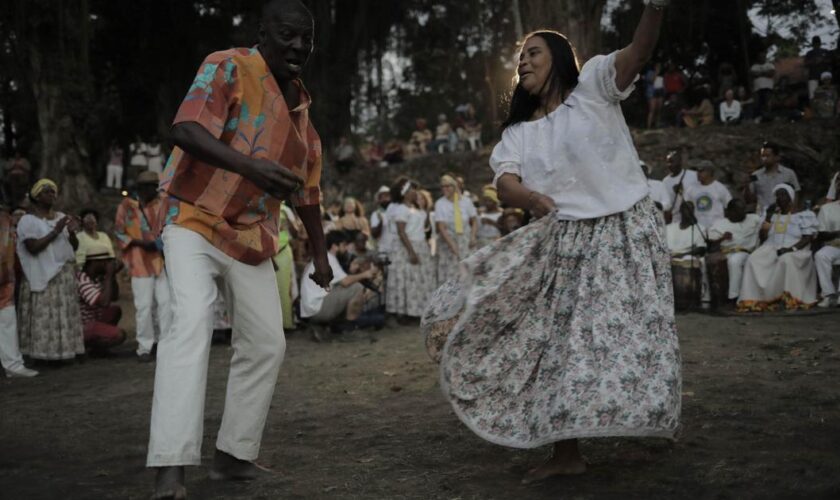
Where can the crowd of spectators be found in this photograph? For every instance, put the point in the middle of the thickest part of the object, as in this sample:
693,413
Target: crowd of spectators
681,98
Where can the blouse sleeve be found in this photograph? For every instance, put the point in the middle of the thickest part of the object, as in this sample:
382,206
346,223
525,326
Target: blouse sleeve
507,155
442,212
28,228
597,80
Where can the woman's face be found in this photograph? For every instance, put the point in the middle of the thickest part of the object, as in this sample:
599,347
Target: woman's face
534,65
421,202
783,199
349,207
410,197
47,196
89,223
448,190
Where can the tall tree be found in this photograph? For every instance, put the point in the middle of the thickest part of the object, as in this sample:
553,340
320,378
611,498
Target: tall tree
579,20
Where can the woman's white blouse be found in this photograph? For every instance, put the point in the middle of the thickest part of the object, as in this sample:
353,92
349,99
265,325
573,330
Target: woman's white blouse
783,234
445,212
581,154
41,268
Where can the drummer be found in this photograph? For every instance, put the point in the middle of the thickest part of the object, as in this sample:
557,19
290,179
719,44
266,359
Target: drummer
687,242
737,236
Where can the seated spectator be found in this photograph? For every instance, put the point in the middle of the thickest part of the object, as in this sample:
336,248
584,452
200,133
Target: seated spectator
709,197
687,242
781,271
97,294
658,191
344,302
351,217
772,173
747,103
394,153
829,255
345,155
737,236
418,144
91,240
359,247
730,109
446,140
468,127
676,183
824,102
785,104
10,356
699,114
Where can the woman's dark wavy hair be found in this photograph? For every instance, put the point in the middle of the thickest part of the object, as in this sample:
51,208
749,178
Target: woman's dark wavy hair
562,77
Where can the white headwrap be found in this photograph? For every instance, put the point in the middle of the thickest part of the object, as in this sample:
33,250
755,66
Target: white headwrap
787,188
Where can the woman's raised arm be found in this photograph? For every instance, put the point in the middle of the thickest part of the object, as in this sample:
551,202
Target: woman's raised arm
631,59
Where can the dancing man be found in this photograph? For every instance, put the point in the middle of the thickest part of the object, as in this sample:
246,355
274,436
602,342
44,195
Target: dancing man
564,329
245,142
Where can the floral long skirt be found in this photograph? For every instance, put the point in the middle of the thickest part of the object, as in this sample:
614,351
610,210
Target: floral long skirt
447,262
49,322
410,285
561,330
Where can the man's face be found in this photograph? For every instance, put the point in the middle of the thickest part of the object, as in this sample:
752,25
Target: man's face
736,211
286,42
706,177
674,162
768,157
384,199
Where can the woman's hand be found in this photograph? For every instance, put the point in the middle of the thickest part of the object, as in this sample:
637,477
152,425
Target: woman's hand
540,205
413,259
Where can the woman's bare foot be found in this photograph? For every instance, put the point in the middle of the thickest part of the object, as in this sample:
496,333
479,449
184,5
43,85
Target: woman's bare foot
169,484
565,460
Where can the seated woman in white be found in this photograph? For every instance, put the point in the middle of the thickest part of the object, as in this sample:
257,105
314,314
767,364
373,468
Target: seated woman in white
782,270
687,242
737,235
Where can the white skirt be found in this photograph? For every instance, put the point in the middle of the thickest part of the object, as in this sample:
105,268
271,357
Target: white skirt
771,282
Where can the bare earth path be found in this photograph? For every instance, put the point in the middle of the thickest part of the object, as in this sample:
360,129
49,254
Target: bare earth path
361,416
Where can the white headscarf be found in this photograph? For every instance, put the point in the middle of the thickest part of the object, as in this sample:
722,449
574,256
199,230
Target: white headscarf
787,188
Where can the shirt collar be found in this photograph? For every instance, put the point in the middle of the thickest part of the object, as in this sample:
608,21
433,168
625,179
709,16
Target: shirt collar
305,98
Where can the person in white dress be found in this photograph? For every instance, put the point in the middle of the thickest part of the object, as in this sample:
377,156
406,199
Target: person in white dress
564,329
686,240
677,182
709,197
829,255
155,156
781,272
737,235
456,220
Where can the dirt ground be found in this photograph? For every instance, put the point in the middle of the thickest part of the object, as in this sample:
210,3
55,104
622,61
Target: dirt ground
361,416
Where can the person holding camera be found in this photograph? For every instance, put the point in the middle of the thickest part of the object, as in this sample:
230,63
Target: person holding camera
344,299
781,271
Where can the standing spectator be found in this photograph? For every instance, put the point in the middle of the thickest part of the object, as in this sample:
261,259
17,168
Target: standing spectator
48,319
91,239
655,93
138,159
730,109
763,181
17,172
747,103
446,140
457,227
345,155
676,183
829,255
673,81
351,217
156,156
97,293
378,222
10,356
818,61
114,170
763,73
421,137
406,287
136,226
709,197
488,220
727,78
824,99
284,266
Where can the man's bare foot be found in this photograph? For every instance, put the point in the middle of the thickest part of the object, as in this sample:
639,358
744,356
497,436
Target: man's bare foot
566,460
229,468
169,484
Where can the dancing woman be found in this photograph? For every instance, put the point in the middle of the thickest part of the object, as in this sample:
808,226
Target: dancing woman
564,329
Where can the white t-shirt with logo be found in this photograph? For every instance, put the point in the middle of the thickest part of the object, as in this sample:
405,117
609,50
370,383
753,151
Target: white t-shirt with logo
709,202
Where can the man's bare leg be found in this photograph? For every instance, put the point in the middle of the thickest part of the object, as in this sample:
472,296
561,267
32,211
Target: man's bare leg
169,483
565,460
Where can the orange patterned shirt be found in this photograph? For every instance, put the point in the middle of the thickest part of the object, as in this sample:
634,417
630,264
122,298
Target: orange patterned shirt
132,223
236,98
7,261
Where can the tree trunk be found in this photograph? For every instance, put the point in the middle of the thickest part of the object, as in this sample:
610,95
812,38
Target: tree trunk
579,20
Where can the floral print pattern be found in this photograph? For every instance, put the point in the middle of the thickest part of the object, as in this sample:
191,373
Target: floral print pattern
409,285
562,329
49,322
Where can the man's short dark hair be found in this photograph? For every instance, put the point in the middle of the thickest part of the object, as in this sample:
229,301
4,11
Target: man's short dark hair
772,146
336,237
